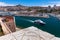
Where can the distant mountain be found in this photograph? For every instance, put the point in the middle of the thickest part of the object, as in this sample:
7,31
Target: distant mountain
19,5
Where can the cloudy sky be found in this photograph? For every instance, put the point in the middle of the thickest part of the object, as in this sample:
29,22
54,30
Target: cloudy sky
30,2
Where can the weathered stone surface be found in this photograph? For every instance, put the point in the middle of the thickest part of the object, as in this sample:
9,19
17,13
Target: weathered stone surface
30,33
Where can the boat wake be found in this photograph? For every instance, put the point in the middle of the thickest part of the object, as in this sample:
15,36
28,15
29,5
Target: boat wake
30,21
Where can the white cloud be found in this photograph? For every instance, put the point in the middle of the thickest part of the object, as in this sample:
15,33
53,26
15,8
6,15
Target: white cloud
5,4
46,5
57,3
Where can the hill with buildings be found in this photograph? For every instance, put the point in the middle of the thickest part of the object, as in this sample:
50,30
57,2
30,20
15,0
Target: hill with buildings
49,9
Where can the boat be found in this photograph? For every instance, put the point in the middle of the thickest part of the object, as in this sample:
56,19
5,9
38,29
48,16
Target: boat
39,22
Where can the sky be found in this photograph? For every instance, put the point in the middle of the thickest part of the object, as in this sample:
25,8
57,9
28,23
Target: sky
30,2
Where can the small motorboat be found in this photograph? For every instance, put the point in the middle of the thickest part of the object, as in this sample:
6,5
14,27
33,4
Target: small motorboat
39,22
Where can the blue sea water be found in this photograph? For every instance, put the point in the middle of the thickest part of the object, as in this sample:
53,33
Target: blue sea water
52,24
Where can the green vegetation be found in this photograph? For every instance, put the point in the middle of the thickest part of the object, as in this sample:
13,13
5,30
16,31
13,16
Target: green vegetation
29,9
48,11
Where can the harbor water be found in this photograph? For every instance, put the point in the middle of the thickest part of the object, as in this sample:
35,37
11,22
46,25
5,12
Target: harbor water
52,24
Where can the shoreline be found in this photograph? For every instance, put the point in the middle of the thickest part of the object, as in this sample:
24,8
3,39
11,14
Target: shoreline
36,15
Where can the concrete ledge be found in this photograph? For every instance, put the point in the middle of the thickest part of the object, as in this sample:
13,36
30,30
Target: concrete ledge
30,33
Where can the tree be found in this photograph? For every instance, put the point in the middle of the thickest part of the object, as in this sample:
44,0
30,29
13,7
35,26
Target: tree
29,9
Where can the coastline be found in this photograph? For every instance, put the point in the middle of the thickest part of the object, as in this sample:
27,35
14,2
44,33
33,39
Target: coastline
34,15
